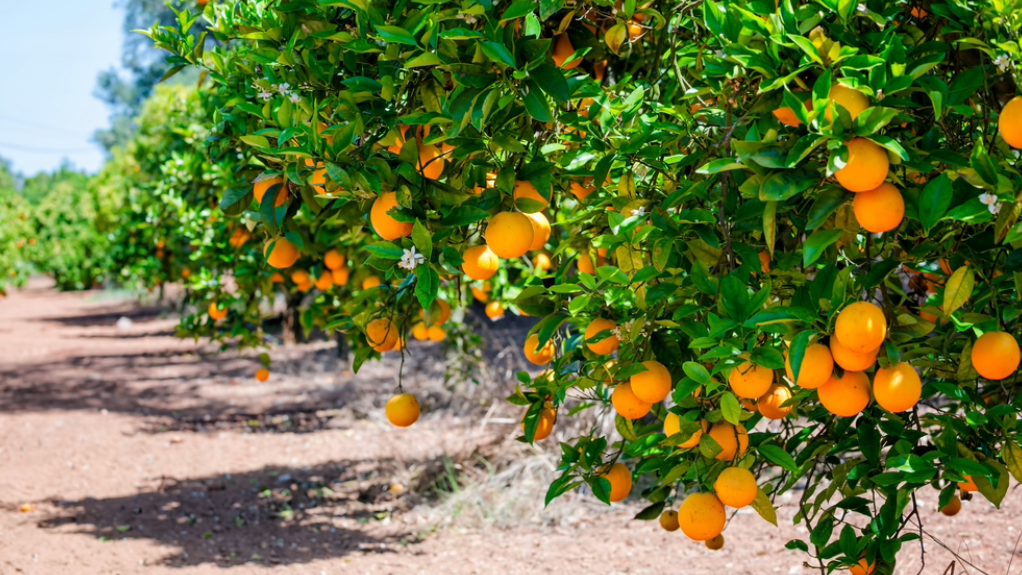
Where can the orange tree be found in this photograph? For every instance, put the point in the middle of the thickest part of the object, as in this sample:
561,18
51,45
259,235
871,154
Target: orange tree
15,232
779,241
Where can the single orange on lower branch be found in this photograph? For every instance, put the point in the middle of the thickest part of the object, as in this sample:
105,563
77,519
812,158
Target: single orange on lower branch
732,439
383,223
715,544
669,520
897,388
262,375
770,405
735,487
701,516
402,410
480,263
866,168
750,381
538,355
547,419
627,404
620,479
846,396
652,385
509,235
382,335
817,367
607,345
280,253
995,355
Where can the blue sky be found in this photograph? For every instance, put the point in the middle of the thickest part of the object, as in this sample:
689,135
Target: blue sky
52,53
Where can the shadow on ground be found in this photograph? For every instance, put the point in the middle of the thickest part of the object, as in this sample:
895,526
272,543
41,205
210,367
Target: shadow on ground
273,515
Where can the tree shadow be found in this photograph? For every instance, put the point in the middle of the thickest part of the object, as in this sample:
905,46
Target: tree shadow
270,516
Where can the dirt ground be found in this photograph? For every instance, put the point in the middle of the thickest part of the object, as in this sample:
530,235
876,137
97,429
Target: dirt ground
125,450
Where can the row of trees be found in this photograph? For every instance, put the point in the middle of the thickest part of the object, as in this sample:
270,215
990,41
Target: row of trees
780,242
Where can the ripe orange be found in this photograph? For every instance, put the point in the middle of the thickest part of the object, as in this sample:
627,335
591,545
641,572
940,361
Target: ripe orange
260,187
953,507
420,331
1009,123
732,439
897,388
436,333
862,568
275,278
186,273
968,486
509,235
672,425
585,262
482,295
524,190
653,385
431,162
399,142
880,210
770,404
852,360
764,262
439,312
341,275
386,226
494,310
262,375
280,253
854,101
402,410
627,405
995,355
547,419
867,166
787,117
215,313
540,231
606,346
634,30
541,262
582,190
540,356
562,51
845,397
735,487
669,520
861,327
750,381
382,335
480,263
701,516
333,260
620,479
817,367
715,544
325,281
301,277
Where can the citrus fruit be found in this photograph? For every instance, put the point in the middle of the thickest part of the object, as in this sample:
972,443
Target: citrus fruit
260,187
732,439
562,51
620,479
897,388
341,275
880,210
669,520
1009,123
627,405
968,486
439,312
333,260
995,355
863,568
262,375
866,168
852,360
854,101
735,487
547,419
436,333
509,234
953,506
605,346
216,313
381,334
494,310
325,281
701,516
847,396
480,263
280,253
715,544
541,262
861,327
769,405
581,190
817,367
420,331
652,385
402,410
672,425
540,231
383,223
524,190
750,381
541,356
370,282
431,162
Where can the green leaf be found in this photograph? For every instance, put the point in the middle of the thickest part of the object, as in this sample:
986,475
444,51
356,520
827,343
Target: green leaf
817,243
422,239
385,250
518,9
396,35
993,494
1011,453
934,201
764,508
651,512
826,204
424,59
721,165
551,80
427,285
497,52
256,141
730,408
777,455
535,103
958,289
463,216
548,8
601,488
696,372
